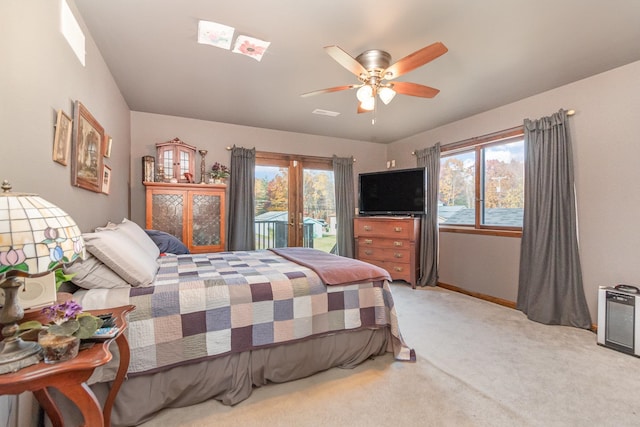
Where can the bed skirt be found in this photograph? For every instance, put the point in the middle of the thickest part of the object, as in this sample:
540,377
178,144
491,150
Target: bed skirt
230,379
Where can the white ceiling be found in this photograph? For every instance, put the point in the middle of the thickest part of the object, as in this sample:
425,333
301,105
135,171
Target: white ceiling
500,51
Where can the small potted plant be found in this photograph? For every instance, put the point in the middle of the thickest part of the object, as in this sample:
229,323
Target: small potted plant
219,172
60,340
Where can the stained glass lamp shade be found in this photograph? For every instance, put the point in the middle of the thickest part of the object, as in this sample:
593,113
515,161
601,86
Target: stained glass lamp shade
36,237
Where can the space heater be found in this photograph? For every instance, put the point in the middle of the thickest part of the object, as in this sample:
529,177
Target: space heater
619,319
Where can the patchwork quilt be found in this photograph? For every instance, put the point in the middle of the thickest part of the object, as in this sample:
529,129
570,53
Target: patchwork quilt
207,305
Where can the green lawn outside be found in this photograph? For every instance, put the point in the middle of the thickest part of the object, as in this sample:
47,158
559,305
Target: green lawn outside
325,243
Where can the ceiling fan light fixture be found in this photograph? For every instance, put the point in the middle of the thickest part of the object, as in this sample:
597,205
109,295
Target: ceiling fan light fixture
373,69
386,94
365,93
368,104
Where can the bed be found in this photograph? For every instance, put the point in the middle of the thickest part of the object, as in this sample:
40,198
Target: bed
214,326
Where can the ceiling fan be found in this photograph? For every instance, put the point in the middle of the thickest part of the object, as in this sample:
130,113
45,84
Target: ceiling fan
375,74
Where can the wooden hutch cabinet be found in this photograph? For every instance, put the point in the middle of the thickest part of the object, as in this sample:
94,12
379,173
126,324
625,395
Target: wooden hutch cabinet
194,213
392,243
176,158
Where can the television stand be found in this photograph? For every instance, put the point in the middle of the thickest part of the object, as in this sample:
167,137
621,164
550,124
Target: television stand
392,243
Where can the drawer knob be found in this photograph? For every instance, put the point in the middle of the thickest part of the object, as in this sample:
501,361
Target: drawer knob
367,228
396,243
397,255
368,241
397,229
368,252
398,269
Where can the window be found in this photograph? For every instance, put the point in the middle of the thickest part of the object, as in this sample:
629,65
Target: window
482,183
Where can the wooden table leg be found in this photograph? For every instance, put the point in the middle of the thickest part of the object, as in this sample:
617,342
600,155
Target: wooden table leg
50,408
86,402
125,356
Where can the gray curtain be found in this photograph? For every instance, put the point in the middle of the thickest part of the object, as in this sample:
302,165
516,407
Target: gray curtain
345,204
550,287
429,158
240,230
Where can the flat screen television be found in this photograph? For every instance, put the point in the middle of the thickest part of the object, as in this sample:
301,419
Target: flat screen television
392,192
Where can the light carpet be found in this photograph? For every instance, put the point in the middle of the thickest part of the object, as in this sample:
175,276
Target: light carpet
479,364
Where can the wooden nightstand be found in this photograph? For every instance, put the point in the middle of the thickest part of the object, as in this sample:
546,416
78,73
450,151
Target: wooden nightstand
70,377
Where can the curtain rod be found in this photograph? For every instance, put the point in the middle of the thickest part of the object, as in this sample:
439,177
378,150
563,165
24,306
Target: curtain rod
464,141
230,148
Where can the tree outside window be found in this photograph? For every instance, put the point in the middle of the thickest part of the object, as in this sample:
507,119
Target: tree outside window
482,184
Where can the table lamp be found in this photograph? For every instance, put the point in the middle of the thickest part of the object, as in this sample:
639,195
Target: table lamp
36,237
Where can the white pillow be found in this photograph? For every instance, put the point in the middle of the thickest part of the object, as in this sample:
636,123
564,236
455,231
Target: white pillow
93,274
136,233
123,255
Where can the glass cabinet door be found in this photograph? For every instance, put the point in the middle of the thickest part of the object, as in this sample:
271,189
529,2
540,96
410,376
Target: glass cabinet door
185,164
168,212
165,158
207,220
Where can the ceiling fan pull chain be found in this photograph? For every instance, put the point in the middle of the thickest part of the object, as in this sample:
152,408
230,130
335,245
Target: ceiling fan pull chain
375,108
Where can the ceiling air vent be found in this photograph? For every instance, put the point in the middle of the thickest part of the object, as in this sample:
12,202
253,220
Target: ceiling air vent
325,112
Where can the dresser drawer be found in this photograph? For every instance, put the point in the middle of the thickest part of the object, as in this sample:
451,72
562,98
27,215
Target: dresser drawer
390,228
377,242
384,254
398,271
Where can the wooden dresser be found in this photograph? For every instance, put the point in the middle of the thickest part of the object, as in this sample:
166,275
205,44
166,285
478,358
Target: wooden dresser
194,213
392,243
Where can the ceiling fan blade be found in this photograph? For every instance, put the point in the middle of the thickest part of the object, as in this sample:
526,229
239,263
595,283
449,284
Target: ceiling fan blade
414,89
346,60
415,60
329,90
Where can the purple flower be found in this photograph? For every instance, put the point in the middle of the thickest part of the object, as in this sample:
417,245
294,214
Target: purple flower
60,313
219,170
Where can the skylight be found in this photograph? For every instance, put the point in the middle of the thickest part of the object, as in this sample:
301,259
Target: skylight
215,34
221,36
72,31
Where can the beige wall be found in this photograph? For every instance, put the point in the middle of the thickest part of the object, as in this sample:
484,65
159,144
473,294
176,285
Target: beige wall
39,75
149,129
606,152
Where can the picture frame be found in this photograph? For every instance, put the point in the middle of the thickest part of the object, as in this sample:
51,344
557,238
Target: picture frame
108,141
106,179
86,150
62,138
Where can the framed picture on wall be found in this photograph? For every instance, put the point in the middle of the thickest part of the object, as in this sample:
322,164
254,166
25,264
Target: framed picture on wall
107,146
106,179
62,138
86,150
